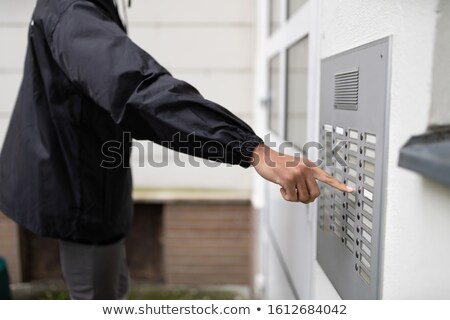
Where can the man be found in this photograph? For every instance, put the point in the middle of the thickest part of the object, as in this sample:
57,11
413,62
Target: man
86,83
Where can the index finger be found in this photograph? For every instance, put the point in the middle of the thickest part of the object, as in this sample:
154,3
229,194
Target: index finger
323,176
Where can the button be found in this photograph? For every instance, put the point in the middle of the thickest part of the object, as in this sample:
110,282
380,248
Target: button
366,235
352,172
353,134
368,194
369,181
371,138
363,274
366,249
349,245
353,147
351,184
367,222
369,152
340,131
350,221
351,197
350,234
369,166
352,160
367,208
365,262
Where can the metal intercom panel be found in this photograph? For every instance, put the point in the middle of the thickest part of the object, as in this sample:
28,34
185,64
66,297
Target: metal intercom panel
353,122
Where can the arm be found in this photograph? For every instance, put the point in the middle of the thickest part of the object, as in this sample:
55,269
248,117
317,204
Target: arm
144,98
140,95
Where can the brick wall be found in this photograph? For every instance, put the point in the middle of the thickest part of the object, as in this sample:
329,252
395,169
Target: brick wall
208,244
10,247
195,244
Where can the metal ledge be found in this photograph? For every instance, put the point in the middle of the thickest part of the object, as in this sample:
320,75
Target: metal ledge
429,155
191,196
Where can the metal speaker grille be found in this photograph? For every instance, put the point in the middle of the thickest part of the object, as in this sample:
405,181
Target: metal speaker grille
346,85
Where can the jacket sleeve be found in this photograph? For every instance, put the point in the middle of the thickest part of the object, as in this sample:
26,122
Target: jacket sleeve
141,96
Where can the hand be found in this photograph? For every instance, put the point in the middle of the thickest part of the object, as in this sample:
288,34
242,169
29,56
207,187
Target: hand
296,176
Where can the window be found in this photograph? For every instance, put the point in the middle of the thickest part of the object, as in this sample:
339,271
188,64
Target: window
274,94
296,95
275,10
294,5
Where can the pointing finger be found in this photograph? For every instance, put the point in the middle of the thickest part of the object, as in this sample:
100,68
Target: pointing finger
323,176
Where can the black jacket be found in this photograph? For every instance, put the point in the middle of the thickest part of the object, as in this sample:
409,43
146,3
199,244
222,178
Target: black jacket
86,83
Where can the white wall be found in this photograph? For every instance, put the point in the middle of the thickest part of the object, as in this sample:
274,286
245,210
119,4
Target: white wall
14,18
209,43
417,239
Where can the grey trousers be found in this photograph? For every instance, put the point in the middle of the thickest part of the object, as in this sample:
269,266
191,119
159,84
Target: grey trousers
94,272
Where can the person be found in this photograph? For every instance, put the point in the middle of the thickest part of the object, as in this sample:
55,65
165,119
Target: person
86,83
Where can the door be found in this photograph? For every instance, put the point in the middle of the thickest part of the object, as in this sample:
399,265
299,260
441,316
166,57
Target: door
289,65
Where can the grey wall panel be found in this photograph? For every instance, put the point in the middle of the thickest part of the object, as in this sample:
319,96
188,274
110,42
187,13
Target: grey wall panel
353,122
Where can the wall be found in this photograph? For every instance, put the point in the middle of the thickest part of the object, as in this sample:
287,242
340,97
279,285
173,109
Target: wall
208,243
208,43
440,106
417,215
10,248
14,19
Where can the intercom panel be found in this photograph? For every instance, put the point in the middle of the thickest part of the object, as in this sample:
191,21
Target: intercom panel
353,132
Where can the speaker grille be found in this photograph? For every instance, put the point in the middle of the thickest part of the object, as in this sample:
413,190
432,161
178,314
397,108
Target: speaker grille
346,86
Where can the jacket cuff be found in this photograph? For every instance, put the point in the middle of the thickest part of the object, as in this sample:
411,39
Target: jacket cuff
247,147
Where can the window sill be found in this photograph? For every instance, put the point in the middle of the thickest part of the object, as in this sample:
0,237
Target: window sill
429,155
191,196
